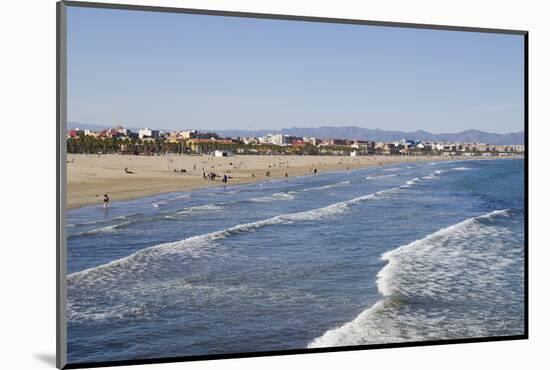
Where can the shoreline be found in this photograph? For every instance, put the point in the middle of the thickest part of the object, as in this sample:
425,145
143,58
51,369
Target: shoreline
91,176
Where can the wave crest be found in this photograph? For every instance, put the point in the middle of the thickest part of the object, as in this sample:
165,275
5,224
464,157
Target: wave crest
436,287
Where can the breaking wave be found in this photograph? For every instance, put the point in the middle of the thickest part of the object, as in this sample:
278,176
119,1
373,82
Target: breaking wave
273,197
413,181
102,230
453,283
201,208
329,186
380,176
159,204
141,265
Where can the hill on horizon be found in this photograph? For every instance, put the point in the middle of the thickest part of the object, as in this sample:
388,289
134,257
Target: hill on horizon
360,133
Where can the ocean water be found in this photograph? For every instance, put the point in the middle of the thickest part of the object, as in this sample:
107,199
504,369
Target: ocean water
410,252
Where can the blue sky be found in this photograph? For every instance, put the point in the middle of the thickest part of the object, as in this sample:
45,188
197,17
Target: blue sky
176,71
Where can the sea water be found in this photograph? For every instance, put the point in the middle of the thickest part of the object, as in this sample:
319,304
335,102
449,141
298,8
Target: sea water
408,252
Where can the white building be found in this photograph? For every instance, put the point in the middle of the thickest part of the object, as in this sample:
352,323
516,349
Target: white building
90,133
311,140
265,139
191,134
277,139
222,153
249,140
147,132
122,130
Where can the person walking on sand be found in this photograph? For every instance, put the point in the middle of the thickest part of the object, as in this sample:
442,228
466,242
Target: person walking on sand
286,175
105,201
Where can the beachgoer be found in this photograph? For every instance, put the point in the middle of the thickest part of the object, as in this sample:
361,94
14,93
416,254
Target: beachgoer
105,200
286,175
315,171
225,178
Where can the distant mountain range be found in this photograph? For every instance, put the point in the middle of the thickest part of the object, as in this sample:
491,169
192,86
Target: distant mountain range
353,132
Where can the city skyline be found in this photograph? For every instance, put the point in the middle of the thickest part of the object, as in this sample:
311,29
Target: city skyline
144,69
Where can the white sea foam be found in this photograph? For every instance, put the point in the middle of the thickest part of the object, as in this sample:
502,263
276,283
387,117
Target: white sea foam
392,169
324,187
273,197
453,267
380,176
94,222
433,175
201,208
427,244
158,204
429,177
461,168
102,230
413,181
410,183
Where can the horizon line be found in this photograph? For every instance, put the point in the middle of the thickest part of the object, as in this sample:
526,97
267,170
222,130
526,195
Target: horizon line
286,128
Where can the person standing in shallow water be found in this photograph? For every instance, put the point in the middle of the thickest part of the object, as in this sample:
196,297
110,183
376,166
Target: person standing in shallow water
105,201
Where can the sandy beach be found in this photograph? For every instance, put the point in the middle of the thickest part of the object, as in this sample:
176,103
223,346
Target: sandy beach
91,176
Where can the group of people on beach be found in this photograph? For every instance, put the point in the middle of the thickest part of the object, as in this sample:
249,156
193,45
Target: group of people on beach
212,176
209,176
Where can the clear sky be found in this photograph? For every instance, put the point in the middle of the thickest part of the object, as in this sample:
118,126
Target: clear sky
176,71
